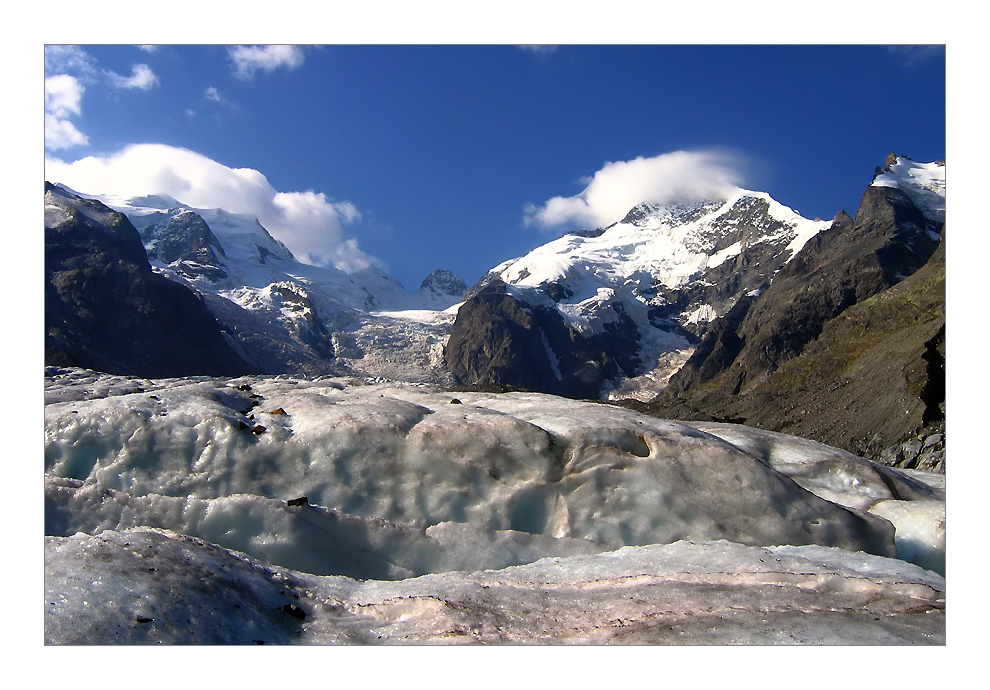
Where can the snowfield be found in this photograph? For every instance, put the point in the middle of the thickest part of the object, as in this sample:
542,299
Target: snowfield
327,510
667,244
924,183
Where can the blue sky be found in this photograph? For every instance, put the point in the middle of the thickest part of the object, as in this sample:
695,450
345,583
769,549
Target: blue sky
423,157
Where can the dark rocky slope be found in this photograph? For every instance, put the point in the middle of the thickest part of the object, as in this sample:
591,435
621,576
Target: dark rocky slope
841,348
105,309
498,341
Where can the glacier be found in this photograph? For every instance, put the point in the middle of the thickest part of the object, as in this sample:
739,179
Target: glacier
151,586
328,510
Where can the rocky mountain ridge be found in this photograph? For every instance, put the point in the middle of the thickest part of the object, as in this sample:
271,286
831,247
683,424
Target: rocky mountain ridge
847,345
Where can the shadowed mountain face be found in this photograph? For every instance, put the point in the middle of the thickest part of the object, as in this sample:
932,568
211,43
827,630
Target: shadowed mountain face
847,344
498,340
106,310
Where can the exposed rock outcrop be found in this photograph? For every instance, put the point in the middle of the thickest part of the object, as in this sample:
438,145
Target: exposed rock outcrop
498,340
186,242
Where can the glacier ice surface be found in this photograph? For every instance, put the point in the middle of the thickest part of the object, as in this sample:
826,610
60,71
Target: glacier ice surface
152,587
403,482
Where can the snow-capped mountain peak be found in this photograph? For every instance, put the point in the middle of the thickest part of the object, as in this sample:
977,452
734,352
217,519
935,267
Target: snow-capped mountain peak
664,244
444,283
241,236
645,286
924,183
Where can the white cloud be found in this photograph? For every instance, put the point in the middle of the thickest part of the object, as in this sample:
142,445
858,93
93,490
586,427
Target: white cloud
310,224
611,192
67,59
63,95
63,99
212,94
141,78
249,59
62,134
68,70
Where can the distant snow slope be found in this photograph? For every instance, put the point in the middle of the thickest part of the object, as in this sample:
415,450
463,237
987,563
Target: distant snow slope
323,480
924,183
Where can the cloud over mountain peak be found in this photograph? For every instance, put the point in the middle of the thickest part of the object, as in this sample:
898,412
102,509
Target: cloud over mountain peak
307,222
676,177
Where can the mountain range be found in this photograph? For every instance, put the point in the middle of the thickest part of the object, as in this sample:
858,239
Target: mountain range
277,314
725,309
315,457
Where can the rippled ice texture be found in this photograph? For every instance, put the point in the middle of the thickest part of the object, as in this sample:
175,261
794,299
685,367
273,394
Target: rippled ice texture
402,481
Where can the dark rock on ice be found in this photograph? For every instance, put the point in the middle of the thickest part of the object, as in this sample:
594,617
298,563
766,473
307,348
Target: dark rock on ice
294,611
